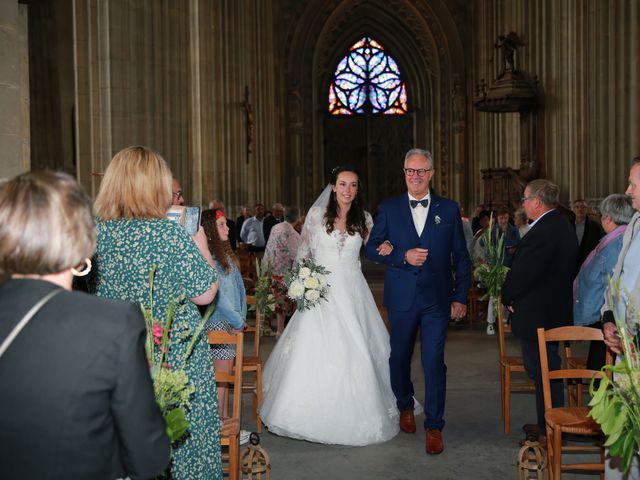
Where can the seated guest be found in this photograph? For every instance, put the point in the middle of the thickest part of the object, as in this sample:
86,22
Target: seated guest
216,204
252,232
77,397
134,235
231,302
279,258
592,279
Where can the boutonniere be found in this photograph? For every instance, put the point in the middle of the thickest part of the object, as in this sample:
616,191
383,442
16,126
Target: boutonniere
438,219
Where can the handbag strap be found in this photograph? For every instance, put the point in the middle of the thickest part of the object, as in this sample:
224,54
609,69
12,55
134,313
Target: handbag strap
23,322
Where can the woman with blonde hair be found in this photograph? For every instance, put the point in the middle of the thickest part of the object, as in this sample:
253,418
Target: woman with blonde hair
134,236
76,392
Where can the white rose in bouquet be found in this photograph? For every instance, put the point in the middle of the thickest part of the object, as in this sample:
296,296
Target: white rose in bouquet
311,282
312,295
296,290
304,273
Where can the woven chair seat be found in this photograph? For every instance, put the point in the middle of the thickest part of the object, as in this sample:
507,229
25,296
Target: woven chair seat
251,362
512,362
230,427
573,420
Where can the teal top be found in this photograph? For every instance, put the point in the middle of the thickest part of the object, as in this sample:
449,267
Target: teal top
126,252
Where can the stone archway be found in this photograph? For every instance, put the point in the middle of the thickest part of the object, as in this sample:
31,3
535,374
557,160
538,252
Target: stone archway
422,37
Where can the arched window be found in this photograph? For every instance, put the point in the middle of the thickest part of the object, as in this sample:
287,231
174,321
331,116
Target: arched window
367,79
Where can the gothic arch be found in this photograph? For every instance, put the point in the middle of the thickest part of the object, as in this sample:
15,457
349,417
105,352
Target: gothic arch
421,36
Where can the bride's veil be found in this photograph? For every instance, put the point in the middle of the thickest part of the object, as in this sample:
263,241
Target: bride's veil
314,218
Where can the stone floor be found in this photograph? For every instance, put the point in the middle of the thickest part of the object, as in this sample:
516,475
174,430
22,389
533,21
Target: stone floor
475,445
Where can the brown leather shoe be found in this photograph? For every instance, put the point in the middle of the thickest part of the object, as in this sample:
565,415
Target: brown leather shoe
407,421
434,444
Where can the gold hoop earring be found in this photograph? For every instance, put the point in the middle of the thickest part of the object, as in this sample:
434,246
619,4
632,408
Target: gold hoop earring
82,273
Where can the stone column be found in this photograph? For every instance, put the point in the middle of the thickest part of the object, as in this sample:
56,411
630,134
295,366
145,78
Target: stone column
14,90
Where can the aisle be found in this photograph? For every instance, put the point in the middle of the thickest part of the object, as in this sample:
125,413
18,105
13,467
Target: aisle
475,446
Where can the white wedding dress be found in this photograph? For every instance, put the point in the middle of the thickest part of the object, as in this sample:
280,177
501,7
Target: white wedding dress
327,379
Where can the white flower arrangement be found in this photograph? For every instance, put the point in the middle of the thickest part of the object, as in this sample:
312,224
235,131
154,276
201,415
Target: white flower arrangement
307,284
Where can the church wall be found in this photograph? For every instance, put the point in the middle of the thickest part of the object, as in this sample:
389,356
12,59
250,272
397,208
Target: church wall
585,56
172,75
15,151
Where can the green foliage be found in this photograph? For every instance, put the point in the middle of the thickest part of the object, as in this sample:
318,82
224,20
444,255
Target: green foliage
265,300
615,404
490,269
171,384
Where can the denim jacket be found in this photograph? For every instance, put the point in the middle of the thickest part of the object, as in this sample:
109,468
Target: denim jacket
592,283
231,301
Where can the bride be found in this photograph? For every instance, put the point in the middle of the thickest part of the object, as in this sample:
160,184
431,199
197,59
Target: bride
327,379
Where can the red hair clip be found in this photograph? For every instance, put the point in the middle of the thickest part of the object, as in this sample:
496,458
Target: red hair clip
219,214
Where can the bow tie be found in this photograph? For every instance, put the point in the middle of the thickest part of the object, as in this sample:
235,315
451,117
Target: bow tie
415,203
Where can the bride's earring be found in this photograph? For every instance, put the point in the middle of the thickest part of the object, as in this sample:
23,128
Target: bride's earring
85,271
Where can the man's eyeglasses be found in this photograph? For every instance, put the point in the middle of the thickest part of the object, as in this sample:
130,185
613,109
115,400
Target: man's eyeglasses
522,199
177,194
420,171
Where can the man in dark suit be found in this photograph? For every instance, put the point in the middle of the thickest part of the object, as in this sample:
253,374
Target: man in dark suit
588,232
538,288
422,242
276,217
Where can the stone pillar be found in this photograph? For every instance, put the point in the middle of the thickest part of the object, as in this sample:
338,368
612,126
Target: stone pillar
14,90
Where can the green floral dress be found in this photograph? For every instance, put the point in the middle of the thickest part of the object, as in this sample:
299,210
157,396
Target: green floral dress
127,250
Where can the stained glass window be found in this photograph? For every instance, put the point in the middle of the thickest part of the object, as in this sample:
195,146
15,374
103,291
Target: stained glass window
367,79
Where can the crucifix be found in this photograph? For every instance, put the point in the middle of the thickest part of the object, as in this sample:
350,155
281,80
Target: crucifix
250,126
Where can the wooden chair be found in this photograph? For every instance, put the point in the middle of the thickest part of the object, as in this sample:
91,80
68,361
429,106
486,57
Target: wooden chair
252,365
230,431
508,365
573,419
575,388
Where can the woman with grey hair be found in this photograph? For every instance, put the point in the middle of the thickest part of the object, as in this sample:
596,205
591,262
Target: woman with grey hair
592,279
279,257
76,391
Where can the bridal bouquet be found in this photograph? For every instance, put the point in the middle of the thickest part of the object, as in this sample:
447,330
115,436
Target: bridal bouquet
171,384
307,284
615,403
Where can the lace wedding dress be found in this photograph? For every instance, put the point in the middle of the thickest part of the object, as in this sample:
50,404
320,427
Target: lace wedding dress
327,379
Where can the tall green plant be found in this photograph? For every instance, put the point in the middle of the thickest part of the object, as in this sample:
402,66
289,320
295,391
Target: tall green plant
490,269
615,403
171,384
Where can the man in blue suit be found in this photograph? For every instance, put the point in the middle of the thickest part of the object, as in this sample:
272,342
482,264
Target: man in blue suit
426,283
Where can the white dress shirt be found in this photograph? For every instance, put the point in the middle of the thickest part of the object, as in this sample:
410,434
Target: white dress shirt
419,213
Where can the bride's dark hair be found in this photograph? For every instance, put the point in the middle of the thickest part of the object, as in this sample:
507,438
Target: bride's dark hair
355,217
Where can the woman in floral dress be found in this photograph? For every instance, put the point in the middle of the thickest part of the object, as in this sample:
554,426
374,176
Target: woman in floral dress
279,258
133,237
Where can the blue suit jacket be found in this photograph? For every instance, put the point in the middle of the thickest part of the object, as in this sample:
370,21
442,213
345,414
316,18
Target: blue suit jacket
447,271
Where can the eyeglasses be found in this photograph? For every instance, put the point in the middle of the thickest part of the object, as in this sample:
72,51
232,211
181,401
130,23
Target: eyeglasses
420,171
522,199
177,194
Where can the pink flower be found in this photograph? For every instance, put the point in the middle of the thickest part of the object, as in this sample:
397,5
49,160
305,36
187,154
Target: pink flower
157,331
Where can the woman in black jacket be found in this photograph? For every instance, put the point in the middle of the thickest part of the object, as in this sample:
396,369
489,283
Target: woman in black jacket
77,399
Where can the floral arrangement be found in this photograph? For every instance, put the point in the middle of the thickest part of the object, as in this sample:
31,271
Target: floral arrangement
265,300
490,270
170,382
307,284
615,403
